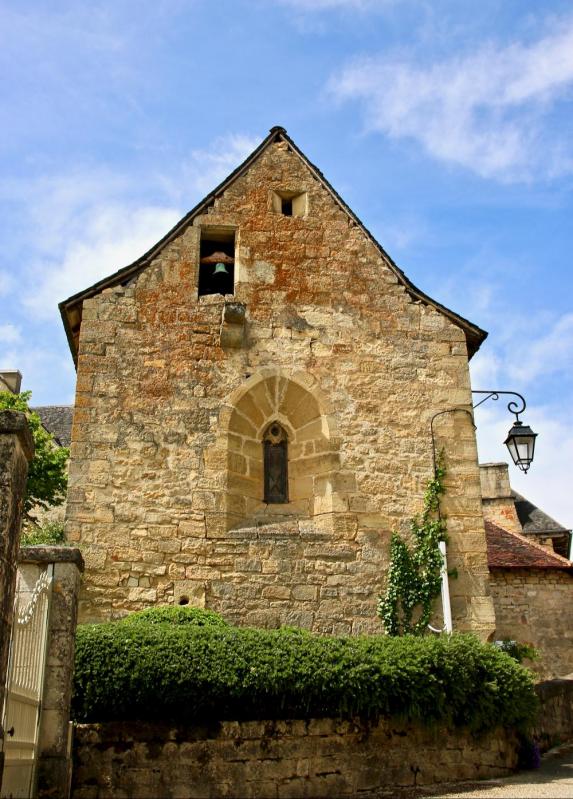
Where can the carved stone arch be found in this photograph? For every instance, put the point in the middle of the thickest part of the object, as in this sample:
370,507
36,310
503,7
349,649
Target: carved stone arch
303,380
295,401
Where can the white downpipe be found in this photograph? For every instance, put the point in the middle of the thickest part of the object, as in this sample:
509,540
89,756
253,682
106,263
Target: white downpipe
446,605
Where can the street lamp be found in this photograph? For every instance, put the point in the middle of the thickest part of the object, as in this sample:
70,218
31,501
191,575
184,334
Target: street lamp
520,440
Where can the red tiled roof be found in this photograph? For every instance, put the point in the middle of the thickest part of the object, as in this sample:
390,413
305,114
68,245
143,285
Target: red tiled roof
507,550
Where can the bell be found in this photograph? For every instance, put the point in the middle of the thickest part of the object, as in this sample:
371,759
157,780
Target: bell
217,258
220,269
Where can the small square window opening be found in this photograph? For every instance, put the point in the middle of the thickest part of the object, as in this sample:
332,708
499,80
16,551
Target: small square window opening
290,203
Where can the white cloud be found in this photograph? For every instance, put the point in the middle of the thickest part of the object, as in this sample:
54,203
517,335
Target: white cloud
548,482
46,369
9,334
70,230
550,353
220,159
484,111
537,363
486,368
402,231
89,223
112,237
526,350
207,167
6,283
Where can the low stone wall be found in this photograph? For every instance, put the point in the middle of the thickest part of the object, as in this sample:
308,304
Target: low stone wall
276,759
555,725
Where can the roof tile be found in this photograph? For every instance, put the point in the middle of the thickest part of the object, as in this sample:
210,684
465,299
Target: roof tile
507,550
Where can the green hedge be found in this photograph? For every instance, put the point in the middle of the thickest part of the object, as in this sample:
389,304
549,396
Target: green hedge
176,614
190,673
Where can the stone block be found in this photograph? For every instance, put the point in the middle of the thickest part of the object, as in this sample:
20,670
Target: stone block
272,592
191,592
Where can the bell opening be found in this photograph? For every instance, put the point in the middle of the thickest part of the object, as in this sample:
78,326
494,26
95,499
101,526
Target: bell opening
216,262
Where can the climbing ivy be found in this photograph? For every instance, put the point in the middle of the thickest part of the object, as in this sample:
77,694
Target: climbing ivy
414,579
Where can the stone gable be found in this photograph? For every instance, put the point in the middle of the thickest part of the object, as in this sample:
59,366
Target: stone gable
175,392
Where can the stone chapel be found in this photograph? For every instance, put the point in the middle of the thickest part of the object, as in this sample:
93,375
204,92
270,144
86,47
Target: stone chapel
252,415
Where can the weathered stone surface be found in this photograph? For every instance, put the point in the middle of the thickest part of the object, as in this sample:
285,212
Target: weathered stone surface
51,554
535,606
498,499
555,723
167,435
314,758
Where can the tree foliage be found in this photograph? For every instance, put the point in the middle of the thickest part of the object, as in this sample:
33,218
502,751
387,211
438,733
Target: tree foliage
46,535
47,472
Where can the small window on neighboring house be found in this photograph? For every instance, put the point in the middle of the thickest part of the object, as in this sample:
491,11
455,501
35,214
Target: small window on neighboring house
217,261
275,464
290,203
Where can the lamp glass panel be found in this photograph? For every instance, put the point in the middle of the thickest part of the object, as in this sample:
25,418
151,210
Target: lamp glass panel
513,450
523,448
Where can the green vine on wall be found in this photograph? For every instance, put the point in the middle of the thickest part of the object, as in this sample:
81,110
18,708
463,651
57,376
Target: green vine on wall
414,579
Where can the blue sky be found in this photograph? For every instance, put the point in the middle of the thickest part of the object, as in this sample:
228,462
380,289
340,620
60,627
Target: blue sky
445,124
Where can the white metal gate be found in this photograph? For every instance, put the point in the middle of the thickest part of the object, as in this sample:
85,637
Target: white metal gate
24,688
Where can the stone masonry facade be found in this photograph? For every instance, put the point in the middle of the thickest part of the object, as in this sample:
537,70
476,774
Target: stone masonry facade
498,500
175,391
535,606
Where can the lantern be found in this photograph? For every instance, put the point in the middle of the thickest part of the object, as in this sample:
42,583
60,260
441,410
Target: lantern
520,442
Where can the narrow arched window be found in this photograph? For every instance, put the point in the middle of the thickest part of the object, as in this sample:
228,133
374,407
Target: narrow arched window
275,463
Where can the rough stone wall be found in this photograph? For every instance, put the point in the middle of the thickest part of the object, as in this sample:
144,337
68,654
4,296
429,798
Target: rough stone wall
536,607
16,449
555,722
173,394
276,759
498,502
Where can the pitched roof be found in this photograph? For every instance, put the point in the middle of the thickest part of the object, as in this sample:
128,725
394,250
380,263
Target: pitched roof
507,550
57,419
533,519
71,309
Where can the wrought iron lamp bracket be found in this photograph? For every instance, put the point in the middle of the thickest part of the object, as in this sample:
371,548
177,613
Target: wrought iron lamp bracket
435,416
512,406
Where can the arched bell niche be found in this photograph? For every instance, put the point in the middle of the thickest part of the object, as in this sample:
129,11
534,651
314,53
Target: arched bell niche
282,449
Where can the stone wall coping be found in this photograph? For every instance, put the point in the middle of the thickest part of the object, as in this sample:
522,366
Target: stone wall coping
15,423
51,554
